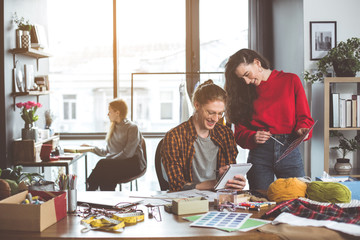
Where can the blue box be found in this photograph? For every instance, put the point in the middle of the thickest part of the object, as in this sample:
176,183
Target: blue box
352,183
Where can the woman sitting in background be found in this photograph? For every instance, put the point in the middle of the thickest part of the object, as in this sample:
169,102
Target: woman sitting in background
123,154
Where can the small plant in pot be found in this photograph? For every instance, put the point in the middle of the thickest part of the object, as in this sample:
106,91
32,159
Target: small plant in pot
343,165
344,58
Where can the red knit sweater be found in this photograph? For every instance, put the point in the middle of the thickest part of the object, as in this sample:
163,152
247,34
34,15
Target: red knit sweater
281,108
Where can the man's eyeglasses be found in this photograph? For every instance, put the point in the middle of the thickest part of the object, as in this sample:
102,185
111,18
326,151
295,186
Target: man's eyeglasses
212,114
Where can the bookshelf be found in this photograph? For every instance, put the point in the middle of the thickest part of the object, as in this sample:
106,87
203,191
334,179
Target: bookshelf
33,53
355,172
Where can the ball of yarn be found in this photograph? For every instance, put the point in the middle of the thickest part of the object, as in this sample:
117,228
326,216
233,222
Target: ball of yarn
332,192
284,189
5,189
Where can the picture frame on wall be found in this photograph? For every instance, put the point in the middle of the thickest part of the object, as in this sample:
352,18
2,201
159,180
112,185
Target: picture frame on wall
322,38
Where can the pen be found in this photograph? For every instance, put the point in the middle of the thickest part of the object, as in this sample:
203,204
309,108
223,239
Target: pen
277,140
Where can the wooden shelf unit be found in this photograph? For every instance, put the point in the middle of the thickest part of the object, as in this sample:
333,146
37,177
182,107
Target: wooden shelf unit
327,82
30,52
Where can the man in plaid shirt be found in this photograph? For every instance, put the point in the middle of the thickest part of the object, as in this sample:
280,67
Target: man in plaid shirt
196,150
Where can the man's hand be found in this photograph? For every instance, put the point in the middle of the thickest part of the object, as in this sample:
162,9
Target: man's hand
238,183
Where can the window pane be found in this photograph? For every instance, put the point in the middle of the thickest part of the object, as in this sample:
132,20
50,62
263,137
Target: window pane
223,31
81,67
151,39
166,110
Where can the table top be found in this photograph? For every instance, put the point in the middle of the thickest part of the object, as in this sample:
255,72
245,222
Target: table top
70,159
171,227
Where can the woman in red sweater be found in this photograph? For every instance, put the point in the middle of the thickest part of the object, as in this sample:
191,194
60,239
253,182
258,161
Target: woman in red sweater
264,103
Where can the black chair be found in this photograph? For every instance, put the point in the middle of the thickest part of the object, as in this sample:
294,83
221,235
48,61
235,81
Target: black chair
164,185
143,146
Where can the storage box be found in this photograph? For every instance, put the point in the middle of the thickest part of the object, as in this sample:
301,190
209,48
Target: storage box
352,183
31,217
29,150
190,205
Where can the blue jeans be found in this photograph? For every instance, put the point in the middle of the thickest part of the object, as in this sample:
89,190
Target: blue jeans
263,158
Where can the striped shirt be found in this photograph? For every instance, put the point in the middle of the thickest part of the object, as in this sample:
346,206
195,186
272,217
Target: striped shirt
178,151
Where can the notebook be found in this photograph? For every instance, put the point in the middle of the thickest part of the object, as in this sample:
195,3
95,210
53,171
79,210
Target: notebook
231,172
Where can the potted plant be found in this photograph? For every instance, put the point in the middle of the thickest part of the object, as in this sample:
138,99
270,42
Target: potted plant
343,165
28,114
344,58
312,78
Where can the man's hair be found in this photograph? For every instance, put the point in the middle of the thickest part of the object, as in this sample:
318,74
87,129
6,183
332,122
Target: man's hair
208,91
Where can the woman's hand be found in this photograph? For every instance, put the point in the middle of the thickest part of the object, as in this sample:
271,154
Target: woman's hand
302,131
261,137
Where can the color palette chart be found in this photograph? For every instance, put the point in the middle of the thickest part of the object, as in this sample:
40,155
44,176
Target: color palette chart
221,220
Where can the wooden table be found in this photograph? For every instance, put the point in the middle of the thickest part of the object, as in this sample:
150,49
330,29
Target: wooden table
59,163
171,227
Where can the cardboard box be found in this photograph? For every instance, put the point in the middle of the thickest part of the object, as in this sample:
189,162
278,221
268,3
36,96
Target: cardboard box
190,205
31,217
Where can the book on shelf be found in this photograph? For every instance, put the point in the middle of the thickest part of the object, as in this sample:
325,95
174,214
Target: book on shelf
342,112
348,122
334,110
353,110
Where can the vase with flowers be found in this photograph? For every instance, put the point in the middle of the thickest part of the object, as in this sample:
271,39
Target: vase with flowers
23,31
28,114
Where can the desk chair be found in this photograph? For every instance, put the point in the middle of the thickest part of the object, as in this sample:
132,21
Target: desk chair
143,146
160,172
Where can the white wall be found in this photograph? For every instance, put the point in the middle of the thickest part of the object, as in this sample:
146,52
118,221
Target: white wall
346,14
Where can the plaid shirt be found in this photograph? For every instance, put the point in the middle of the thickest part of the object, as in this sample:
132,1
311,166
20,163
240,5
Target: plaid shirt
331,212
178,151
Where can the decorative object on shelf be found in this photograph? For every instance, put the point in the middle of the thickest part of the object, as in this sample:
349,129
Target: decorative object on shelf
25,27
49,117
18,79
18,34
29,77
345,146
322,38
25,40
343,166
28,112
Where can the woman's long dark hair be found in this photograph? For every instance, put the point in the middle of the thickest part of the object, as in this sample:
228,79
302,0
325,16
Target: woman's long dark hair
239,104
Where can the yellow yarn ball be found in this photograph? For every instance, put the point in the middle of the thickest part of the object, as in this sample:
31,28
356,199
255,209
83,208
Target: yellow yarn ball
284,189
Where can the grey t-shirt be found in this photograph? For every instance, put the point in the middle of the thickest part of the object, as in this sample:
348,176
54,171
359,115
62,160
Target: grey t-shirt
205,159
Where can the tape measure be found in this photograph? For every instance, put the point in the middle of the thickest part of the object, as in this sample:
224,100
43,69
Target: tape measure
129,218
115,223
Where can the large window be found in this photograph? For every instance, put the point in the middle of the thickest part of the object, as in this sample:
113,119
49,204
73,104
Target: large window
151,38
223,31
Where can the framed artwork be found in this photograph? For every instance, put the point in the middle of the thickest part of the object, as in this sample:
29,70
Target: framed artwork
322,38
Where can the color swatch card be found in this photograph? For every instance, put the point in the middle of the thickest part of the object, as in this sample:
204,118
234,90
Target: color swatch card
221,220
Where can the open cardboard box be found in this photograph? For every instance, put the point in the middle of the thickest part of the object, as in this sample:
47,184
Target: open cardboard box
31,217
